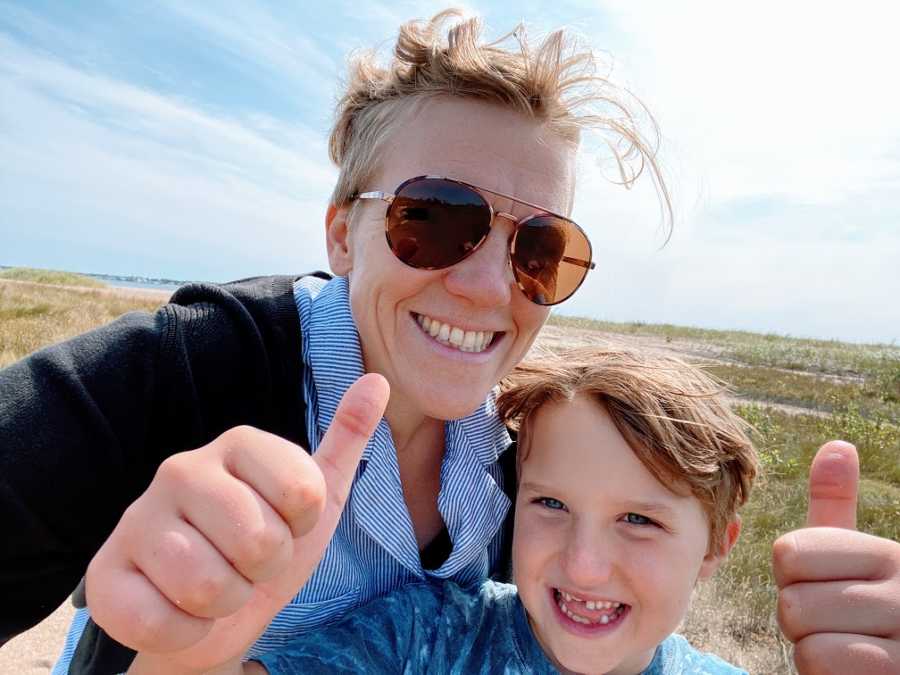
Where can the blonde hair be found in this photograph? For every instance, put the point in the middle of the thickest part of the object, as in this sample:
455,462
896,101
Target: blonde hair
671,414
552,83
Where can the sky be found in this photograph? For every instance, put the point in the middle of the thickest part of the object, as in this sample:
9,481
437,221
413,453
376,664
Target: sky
187,140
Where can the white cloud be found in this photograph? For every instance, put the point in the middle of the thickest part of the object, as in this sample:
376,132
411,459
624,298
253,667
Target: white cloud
220,194
772,98
252,33
782,145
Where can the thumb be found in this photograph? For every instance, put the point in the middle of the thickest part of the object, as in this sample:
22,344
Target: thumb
833,486
354,423
337,458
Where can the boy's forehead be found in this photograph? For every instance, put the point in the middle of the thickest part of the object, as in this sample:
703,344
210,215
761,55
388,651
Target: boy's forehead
576,442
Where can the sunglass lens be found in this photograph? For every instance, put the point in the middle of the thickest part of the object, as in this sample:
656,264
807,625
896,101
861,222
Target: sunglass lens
434,223
551,257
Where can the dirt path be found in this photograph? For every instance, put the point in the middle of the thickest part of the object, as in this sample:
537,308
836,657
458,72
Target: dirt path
556,338
35,652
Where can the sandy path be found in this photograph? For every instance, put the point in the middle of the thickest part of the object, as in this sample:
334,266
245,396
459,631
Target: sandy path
36,650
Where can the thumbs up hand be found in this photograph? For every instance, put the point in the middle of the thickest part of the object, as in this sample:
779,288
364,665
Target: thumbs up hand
838,589
304,495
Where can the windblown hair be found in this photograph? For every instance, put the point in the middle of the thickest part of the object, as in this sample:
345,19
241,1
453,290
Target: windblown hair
672,415
555,83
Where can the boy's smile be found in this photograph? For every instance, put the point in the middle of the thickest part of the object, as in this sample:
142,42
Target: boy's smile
604,555
589,614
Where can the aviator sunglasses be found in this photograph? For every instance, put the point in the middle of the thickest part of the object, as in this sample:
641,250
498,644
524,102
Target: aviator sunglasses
434,222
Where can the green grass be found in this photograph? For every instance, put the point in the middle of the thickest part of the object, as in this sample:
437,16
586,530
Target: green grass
878,365
807,390
738,610
787,444
50,277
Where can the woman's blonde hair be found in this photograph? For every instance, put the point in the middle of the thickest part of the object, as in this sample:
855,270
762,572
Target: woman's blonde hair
672,415
556,82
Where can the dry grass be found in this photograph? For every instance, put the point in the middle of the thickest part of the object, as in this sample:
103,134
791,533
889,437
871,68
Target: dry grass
50,277
33,315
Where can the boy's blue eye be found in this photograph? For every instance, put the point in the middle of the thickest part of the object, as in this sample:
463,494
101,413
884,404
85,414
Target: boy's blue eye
638,519
551,503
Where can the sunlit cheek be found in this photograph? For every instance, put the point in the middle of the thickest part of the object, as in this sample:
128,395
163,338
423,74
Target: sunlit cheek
660,563
535,543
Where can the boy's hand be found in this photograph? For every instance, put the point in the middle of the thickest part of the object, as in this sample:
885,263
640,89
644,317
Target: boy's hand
839,590
225,535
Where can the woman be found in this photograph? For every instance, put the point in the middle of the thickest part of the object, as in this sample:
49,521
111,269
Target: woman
441,316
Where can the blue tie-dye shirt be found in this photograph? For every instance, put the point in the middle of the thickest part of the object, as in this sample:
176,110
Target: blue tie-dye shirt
442,628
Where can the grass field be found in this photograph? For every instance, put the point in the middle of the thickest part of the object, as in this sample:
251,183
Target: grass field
50,277
796,393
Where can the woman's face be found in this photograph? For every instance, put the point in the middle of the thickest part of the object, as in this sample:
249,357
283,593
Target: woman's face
485,145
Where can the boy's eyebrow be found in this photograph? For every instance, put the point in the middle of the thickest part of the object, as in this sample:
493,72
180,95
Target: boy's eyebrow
656,508
531,486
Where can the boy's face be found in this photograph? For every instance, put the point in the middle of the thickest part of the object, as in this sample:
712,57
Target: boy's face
605,557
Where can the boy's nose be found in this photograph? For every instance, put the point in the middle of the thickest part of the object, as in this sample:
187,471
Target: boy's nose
485,278
589,559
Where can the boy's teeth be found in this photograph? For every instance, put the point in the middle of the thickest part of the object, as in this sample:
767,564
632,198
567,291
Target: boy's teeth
463,340
566,599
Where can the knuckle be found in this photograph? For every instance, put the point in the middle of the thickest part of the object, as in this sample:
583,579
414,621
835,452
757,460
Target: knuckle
356,417
812,655
303,496
175,470
258,546
784,554
202,592
788,612
146,630
175,548
240,435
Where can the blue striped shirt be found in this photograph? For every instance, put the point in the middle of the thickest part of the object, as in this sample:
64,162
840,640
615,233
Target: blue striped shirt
374,549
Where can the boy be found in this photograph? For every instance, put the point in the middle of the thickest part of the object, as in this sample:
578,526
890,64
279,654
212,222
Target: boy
631,470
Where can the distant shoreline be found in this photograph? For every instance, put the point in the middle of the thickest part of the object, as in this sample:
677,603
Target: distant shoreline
139,282
128,281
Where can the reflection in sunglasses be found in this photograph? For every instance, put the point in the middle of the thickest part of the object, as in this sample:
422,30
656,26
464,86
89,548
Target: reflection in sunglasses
434,223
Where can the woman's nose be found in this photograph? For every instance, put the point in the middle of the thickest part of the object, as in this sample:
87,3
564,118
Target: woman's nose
485,277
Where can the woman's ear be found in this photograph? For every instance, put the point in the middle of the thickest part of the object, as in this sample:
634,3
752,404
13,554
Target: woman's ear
713,559
337,241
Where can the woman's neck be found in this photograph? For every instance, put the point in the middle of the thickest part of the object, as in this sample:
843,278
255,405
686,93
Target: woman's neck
419,441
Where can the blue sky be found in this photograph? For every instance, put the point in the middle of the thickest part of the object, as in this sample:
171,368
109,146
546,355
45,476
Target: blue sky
187,140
